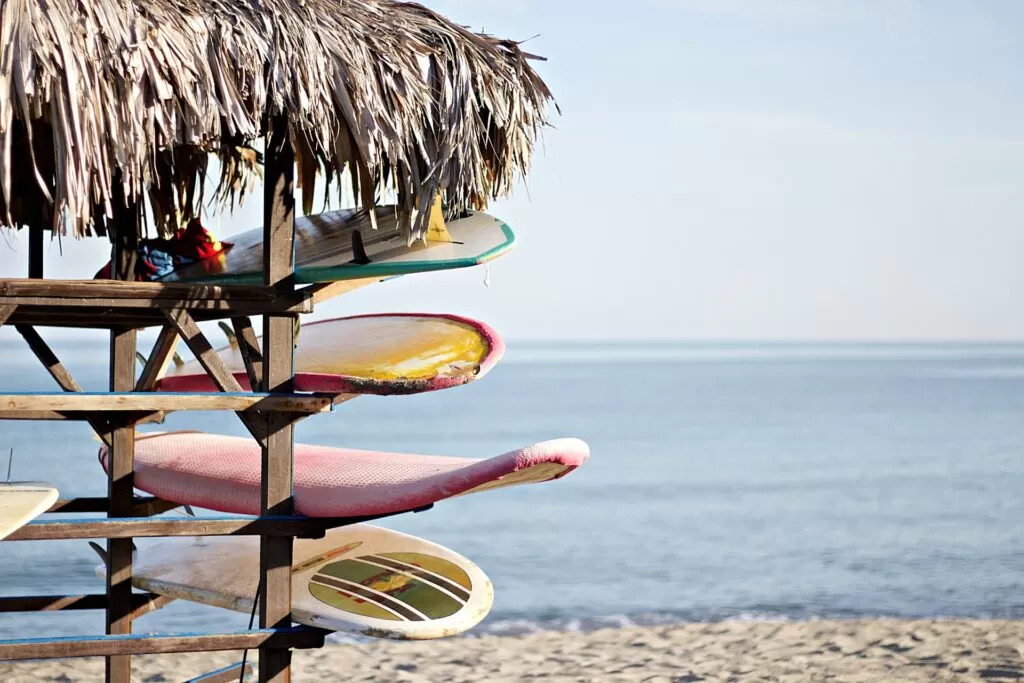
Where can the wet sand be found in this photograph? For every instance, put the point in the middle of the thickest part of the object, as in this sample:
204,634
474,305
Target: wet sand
875,650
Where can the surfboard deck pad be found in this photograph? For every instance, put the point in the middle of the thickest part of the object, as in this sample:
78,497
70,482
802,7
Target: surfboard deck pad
223,473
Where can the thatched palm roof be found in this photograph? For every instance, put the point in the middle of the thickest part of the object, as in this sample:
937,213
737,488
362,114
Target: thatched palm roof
106,99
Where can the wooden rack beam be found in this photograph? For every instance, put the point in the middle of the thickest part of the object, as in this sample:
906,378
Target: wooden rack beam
300,637
11,405
77,292
145,506
108,303
228,674
144,527
142,603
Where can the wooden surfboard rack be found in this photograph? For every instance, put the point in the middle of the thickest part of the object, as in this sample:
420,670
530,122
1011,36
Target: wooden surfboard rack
123,308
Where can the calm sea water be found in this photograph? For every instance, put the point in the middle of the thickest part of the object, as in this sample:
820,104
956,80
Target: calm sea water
725,481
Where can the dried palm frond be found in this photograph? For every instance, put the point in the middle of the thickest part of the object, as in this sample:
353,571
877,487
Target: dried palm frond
134,91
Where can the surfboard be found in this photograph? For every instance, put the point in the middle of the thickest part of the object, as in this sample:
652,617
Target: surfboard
343,245
21,502
223,473
389,354
359,579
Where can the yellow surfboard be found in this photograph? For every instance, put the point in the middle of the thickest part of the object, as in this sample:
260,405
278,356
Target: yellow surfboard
388,354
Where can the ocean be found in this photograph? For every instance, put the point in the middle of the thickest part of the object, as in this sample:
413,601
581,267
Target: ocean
752,481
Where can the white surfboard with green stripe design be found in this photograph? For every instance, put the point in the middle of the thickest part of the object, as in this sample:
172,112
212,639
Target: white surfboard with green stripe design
359,579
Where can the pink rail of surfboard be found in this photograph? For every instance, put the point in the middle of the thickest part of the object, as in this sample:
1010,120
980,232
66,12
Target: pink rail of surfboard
223,473
385,354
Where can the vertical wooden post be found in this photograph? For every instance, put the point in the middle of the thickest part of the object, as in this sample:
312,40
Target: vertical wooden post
35,251
278,345
121,474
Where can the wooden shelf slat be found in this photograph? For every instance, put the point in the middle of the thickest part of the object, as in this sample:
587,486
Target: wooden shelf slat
144,527
141,603
116,289
144,506
228,674
300,637
18,404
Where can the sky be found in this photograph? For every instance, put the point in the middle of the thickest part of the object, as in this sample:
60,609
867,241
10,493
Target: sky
742,170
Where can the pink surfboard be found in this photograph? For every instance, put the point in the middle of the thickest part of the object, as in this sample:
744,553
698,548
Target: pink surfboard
384,354
223,473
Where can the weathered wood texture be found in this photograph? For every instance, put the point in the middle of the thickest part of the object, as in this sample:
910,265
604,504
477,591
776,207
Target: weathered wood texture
275,596
108,303
130,527
132,417
233,672
159,357
249,347
148,402
145,506
107,646
60,374
204,352
121,502
48,358
142,603
187,294
6,311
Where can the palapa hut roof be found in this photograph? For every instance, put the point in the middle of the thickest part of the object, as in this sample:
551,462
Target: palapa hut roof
103,100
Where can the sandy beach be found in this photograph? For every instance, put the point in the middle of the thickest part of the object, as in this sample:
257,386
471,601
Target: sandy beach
877,650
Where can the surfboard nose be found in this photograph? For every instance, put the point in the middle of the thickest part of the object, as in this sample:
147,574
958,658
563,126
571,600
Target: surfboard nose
568,451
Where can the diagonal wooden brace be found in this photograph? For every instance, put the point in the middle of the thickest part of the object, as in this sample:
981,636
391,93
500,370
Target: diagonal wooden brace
60,374
164,348
249,347
197,342
6,311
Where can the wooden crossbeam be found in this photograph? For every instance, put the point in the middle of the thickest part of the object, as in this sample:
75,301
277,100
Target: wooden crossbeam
144,506
150,402
284,305
132,290
144,527
142,603
300,637
228,674
127,417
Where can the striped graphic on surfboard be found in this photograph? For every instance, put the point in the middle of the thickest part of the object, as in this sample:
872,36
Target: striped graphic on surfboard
393,586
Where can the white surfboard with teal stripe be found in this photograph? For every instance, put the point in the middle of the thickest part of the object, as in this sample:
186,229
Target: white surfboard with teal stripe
343,245
359,579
